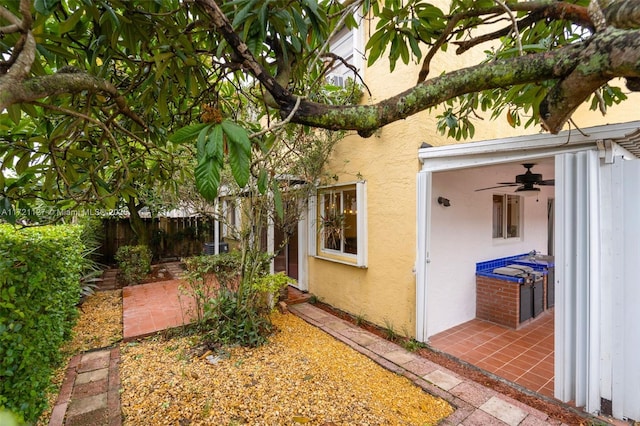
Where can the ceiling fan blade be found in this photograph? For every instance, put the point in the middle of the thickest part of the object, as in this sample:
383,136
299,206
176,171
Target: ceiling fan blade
499,186
508,183
548,182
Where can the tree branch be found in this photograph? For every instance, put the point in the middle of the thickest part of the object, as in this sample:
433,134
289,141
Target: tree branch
594,69
280,94
537,10
13,91
617,55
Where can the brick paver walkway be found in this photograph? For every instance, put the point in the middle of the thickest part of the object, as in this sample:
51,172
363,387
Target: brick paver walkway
90,394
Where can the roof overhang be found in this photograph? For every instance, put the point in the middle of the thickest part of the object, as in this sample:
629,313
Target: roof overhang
613,140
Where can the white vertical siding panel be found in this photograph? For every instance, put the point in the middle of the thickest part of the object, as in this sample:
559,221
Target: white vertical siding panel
617,319
577,279
628,334
609,226
593,291
216,226
423,218
363,232
564,364
632,291
303,264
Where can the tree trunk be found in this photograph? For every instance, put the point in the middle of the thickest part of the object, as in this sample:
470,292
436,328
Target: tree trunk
138,226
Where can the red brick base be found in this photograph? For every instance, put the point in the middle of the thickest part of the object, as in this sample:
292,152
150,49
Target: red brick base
498,301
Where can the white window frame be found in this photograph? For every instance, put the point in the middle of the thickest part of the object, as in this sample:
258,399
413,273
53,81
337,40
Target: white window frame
505,203
349,44
315,227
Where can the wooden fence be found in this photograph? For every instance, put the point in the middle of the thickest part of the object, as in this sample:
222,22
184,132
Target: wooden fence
171,238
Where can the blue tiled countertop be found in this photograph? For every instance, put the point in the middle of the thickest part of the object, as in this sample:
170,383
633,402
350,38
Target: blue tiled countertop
537,264
486,268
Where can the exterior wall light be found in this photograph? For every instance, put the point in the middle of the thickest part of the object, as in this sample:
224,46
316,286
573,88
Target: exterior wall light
444,201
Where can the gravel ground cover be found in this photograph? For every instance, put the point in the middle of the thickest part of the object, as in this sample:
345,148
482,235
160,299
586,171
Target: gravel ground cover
99,324
302,376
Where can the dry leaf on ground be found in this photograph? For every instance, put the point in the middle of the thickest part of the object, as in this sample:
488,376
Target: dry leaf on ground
302,376
99,324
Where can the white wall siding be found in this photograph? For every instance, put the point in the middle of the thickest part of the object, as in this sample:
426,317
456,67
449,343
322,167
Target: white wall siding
577,279
626,293
422,257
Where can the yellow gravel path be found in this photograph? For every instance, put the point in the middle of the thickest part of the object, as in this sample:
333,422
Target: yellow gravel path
302,376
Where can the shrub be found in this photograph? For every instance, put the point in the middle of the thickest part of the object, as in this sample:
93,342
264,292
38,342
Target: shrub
229,292
134,263
207,276
39,290
237,319
271,285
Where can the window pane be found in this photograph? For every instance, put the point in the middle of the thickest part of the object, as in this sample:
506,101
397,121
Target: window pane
350,222
339,221
498,216
332,221
513,216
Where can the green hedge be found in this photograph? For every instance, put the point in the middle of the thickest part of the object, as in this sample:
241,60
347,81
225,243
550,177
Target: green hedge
39,290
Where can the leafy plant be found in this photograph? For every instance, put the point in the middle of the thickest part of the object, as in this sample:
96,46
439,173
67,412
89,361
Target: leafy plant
412,345
134,263
229,292
271,285
360,319
207,277
91,274
333,228
390,331
39,290
238,318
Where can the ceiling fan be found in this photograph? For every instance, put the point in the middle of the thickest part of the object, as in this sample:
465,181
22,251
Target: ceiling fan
527,181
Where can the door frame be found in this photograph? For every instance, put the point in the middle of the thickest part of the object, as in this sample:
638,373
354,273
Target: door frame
597,146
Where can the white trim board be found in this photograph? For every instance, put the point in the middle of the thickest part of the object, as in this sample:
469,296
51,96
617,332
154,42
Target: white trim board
530,147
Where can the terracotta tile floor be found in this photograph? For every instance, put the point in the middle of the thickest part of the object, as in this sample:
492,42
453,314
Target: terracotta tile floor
523,356
148,308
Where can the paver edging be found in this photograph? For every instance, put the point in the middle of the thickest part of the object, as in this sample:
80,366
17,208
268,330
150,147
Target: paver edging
110,390
462,409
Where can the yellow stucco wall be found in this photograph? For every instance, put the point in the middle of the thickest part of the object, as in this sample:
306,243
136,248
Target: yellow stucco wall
384,292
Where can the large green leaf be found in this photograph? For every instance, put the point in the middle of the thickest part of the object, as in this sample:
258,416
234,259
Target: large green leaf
214,145
239,147
71,22
262,181
187,133
207,176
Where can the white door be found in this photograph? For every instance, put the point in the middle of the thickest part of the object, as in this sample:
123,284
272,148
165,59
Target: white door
625,332
597,337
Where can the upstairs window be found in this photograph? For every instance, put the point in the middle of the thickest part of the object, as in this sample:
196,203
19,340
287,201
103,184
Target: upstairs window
345,44
507,216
